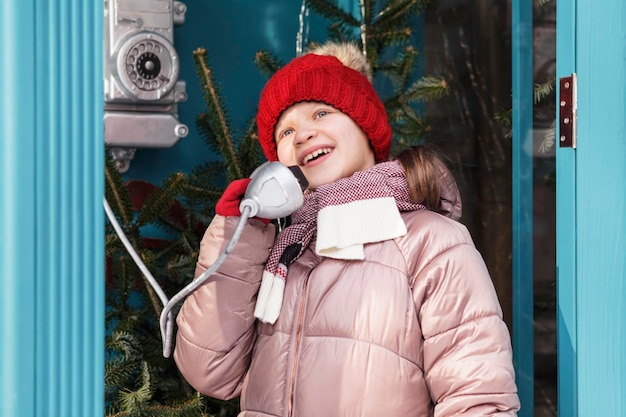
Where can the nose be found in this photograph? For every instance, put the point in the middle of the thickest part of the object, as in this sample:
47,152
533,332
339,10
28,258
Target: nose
304,133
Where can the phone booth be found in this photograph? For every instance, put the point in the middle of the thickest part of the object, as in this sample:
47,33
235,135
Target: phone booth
64,84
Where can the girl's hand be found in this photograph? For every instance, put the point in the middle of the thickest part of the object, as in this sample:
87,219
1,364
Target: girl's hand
228,204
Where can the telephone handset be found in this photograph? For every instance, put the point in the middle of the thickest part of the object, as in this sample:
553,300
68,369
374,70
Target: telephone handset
274,191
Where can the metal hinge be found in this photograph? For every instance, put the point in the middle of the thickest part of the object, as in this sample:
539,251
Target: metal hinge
567,112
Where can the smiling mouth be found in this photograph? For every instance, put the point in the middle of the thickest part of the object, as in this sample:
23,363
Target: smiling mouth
316,154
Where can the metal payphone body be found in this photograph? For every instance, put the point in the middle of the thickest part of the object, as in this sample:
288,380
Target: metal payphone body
141,70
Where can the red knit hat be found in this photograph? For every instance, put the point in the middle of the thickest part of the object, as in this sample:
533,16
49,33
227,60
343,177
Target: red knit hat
323,78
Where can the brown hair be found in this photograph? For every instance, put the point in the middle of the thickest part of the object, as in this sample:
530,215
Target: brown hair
423,165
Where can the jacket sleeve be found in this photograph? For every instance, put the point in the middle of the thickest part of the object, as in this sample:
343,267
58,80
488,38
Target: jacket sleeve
216,322
468,362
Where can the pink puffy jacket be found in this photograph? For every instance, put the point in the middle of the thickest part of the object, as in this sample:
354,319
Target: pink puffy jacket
414,330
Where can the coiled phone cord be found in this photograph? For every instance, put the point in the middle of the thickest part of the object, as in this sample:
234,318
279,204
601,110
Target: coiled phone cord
166,321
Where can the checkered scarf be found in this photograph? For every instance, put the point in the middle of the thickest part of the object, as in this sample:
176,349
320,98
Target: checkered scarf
345,215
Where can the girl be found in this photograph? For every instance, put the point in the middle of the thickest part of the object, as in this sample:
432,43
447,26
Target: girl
368,304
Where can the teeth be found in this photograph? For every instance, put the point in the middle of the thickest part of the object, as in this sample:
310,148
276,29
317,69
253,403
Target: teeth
315,154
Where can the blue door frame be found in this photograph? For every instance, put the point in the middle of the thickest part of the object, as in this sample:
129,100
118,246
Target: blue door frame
522,222
51,176
566,231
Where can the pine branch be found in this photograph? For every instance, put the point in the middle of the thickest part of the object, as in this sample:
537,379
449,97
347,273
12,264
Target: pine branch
125,342
368,12
330,10
249,151
405,139
193,407
121,315
267,62
401,70
119,369
186,242
428,88
505,118
112,244
204,188
397,12
207,180
129,275
147,257
549,139
391,36
543,92
182,266
218,117
135,401
162,198
341,33
203,126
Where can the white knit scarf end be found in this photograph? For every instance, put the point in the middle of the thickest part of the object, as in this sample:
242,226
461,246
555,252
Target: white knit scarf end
343,229
270,298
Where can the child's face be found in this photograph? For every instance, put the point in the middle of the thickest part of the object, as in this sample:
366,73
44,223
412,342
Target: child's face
325,143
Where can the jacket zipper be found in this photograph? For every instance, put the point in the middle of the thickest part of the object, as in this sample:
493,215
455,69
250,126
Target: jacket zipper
292,376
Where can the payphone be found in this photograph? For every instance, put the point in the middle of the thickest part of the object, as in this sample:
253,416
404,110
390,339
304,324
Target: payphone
141,70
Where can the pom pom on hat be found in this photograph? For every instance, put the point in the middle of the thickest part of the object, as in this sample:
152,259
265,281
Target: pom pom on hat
318,76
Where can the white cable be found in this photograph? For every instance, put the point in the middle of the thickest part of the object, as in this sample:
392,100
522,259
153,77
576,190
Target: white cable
166,313
133,254
166,320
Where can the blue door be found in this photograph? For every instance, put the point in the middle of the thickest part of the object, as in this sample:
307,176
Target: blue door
591,211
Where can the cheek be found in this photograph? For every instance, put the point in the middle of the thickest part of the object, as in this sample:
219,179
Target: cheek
285,155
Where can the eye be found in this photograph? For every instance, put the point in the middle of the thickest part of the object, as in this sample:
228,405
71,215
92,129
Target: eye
321,113
284,133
